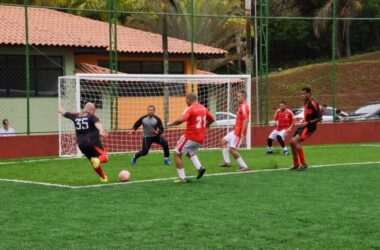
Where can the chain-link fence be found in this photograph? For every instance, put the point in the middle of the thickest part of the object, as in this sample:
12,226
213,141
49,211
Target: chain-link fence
332,46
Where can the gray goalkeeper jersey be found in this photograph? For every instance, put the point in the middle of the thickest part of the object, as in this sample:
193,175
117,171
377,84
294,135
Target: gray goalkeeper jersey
149,124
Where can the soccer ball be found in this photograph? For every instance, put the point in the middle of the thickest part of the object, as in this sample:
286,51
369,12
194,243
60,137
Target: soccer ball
124,175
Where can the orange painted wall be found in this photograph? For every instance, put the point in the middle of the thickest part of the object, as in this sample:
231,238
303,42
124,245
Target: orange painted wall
132,108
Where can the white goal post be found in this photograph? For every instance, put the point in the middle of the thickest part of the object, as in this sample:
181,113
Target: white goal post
121,99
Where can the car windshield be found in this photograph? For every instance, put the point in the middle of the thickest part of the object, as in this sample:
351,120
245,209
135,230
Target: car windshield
369,109
328,111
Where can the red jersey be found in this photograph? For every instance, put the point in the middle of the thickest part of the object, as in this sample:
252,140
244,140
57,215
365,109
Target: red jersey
284,119
196,117
242,114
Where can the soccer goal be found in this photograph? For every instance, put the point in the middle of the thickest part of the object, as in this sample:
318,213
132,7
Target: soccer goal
121,99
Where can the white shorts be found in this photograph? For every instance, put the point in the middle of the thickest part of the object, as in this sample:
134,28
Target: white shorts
283,133
187,146
232,140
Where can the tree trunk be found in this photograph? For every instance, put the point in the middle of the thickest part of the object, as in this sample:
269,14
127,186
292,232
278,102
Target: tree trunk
338,40
347,39
238,52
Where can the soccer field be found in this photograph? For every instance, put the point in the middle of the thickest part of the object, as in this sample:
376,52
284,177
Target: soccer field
334,204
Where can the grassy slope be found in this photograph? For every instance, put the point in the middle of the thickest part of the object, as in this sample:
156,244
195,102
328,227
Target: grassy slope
358,81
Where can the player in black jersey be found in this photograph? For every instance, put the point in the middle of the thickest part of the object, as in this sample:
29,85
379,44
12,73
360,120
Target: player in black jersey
312,115
88,131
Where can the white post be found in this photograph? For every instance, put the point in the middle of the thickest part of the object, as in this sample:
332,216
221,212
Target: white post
228,104
59,119
77,103
248,139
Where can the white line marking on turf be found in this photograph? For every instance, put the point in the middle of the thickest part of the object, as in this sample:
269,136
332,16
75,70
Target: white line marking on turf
173,178
37,183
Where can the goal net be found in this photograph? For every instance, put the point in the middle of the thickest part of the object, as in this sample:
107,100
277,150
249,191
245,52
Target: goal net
121,99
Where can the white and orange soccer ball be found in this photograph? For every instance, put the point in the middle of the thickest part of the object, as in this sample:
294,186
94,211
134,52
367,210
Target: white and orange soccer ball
124,176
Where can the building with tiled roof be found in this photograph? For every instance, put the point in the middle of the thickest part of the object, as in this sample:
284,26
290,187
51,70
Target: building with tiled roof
58,42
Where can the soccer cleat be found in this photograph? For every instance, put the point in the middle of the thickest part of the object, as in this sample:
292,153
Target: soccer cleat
179,180
104,180
225,165
302,167
167,161
269,152
95,162
243,169
293,168
133,161
286,152
201,172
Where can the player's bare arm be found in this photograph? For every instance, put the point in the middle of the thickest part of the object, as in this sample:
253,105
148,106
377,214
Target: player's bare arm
244,128
291,127
176,122
62,111
102,132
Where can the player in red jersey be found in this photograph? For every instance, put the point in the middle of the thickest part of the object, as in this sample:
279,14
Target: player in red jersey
285,122
88,131
232,141
312,115
197,119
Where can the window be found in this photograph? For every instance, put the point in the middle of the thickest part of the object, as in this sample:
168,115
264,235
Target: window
44,72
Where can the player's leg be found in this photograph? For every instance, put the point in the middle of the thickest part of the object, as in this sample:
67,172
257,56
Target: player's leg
239,159
165,146
281,139
306,133
271,138
295,144
92,154
145,146
191,148
225,150
178,160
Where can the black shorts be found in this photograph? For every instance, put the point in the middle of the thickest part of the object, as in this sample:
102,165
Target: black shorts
305,132
91,148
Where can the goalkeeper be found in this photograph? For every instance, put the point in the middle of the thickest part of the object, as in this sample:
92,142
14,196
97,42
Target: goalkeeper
153,130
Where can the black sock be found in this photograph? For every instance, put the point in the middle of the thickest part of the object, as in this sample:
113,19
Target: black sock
270,142
281,141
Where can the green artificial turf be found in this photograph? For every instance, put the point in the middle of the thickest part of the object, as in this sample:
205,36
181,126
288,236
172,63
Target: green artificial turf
334,207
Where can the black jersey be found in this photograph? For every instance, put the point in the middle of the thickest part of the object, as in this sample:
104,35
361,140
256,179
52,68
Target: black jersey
312,112
84,126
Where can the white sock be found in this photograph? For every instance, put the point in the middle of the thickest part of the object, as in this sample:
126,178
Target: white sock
285,149
241,162
270,149
226,155
181,173
196,162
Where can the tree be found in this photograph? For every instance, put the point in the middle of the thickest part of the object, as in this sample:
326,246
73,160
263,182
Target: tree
345,8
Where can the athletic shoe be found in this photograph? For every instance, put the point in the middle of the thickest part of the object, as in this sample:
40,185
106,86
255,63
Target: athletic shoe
167,161
243,169
302,168
179,180
225,165
286,152
201,172
269,152
133,161
293,168
95,162
104,180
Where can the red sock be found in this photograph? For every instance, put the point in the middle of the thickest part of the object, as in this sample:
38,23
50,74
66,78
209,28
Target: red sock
99,170
295,161
103,158
302,157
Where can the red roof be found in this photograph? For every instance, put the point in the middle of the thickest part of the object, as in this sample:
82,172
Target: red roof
53,28
86,68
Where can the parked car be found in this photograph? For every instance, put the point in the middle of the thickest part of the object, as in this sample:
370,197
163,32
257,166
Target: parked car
328,114
367,112
225,119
